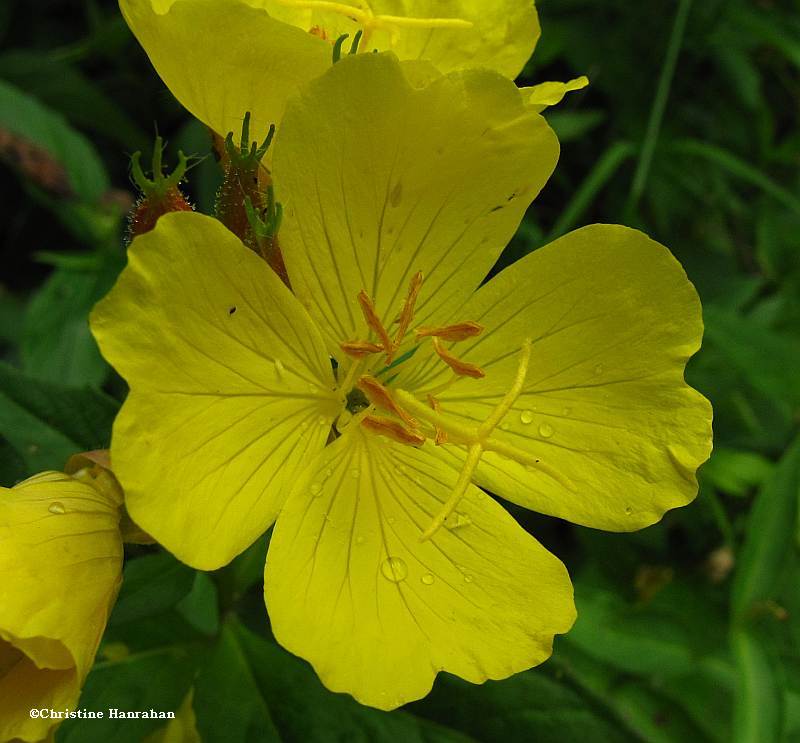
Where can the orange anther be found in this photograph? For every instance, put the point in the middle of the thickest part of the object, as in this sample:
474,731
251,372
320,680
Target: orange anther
374,323
318,31
407,313
458,332
379,396
462,368
441,436
360,349
393,430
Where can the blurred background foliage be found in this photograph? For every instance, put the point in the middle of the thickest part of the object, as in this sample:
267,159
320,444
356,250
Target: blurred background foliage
689,630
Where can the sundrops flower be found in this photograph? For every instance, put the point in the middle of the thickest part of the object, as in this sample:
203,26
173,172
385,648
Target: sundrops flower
61,561
557,385
221,58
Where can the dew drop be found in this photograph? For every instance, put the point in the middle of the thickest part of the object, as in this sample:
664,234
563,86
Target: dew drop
628,510
323,421
355,473
327,474
394,569
280,370
526,417
504,426
360,540
467,578
316,489
57,508
546,430
566,411
427,579
400,470
457,520
390,520
599,369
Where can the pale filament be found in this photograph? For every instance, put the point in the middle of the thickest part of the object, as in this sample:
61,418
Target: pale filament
364,16
478,439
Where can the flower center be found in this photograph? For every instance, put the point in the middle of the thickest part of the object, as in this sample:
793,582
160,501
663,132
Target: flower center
362,15
410,420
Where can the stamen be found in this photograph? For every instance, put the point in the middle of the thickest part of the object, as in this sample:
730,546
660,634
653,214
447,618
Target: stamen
393,430
441,436
407,313
458,332
464,480
360,349
379,396
356,15
478,439
319,32
511,396
375,324
403,22
462,368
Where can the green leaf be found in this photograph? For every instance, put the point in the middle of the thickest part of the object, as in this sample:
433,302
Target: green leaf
157,680
758,715
736,472
303,710
637,639
527,707
770,535
57,345
228,703
200,607
768,359
47,423
151,584
30,121
65,89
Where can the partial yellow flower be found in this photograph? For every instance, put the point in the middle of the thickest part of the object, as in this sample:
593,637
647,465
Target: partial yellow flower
559,384
221,58
61,562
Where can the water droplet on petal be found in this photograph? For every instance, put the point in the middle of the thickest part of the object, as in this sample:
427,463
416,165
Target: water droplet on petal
355,473
546,430
504,426
394,569
526,417
457,520
360,540
391,520
428,579
279,368
57,508
316,489
628,510
566,411
599,369
467,578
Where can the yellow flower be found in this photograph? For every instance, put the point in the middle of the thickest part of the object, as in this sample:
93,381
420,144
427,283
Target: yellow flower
557,385
221,58
61,562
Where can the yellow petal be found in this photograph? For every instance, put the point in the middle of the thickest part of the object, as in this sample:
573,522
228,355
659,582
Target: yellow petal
222,58
230,388
61,562
498,35
381,180
612,319
543,95
350,587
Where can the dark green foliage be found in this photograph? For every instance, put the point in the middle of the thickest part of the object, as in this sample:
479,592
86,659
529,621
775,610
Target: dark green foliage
688,631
